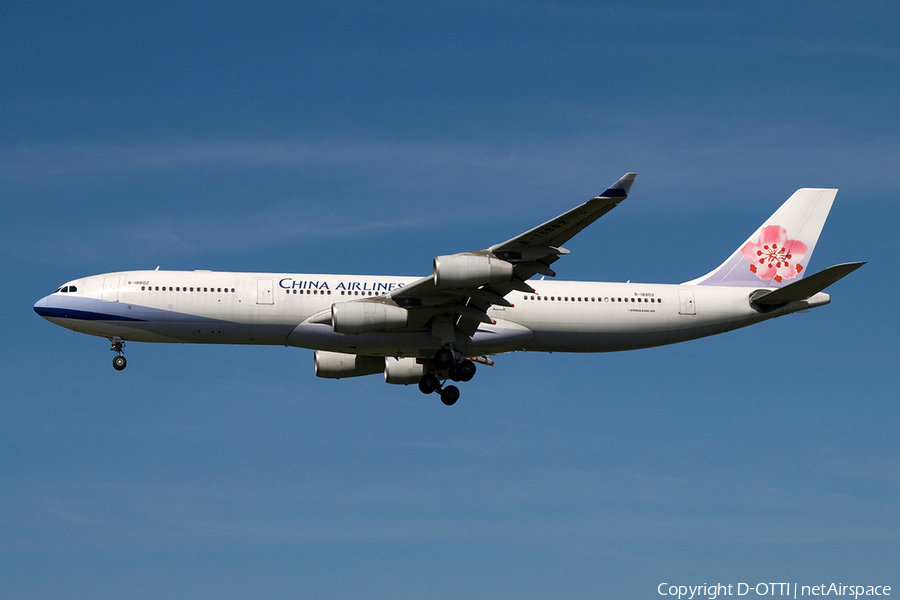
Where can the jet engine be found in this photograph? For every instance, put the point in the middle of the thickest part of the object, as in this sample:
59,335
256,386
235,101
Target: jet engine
404,370
365,317
337,365
464,270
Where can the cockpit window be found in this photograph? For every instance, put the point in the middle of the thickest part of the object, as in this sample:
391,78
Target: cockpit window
72,288
67,289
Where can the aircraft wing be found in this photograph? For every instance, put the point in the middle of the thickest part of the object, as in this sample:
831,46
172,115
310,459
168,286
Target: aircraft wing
555,232
464,286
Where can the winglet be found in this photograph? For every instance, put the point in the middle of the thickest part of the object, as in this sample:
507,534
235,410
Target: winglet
620,188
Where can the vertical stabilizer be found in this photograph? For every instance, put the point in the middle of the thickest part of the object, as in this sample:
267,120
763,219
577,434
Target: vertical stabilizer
777,253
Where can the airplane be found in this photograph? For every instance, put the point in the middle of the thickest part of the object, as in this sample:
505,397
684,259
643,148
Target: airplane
473,305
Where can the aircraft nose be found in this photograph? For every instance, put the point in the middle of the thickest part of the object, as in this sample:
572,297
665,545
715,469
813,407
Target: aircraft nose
41,307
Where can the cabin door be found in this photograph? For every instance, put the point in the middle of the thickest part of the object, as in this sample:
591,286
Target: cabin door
264,292
110,289
686,302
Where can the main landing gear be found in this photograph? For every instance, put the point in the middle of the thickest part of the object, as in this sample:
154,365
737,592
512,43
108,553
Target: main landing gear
456,368
119,361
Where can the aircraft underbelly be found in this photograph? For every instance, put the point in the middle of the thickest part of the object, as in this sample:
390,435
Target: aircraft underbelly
488,339
183,332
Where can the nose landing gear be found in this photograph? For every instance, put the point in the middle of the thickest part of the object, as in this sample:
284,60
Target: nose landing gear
119,361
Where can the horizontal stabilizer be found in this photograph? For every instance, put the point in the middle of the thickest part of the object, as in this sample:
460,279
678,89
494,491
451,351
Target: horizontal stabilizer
806,287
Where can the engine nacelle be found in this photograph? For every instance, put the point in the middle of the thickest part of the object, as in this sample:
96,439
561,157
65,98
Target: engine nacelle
365,317
404,370
337,365
462,271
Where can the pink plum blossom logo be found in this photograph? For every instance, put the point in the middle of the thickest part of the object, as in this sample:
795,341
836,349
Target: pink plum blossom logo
773,255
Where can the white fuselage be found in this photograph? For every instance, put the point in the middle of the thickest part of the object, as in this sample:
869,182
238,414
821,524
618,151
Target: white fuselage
276,309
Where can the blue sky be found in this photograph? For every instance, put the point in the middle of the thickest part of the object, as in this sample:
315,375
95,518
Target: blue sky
368,138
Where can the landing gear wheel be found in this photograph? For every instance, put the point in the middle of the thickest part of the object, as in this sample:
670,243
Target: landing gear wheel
443,359
465,370
118,344
429,383
449,395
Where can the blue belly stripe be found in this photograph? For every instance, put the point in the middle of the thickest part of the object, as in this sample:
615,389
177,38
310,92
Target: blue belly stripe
81,315
56,306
